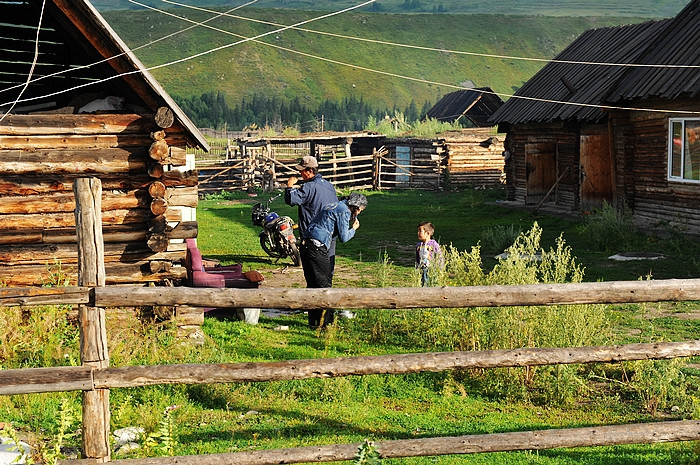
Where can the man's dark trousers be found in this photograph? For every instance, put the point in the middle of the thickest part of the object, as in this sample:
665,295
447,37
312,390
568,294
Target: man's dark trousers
318,274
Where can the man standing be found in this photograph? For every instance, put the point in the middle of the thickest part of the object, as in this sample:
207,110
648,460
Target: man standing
313,194
334,220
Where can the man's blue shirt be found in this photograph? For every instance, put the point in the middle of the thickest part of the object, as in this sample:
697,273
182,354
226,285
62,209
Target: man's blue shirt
313,195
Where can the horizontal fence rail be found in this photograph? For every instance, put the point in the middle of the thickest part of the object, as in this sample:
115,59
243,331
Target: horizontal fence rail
384,297
409,297
35,380
639,433
94,378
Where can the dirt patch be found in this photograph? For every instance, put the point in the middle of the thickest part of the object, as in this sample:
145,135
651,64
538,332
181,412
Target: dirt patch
293,276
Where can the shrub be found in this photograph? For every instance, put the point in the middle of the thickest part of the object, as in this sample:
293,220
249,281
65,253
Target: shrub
497,328
610,229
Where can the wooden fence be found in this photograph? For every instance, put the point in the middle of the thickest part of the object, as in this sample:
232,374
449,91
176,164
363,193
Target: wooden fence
95,377
261,169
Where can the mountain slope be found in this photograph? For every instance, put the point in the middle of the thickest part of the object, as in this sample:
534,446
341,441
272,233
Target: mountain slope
251,68
635,8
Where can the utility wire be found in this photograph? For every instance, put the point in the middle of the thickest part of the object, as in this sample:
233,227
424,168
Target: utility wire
433,49
57,73
420,80
409,78
197,55
34,61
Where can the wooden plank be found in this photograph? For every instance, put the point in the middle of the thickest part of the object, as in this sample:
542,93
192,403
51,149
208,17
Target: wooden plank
112,123
54,379
133,376
67,162
638,433
75,142
409,297
12,296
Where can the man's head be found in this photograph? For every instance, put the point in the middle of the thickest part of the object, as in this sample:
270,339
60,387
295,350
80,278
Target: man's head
307,167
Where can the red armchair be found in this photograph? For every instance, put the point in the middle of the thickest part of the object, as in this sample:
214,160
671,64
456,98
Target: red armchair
217,276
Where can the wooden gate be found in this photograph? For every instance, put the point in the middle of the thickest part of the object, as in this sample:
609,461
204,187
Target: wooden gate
596,171
540,171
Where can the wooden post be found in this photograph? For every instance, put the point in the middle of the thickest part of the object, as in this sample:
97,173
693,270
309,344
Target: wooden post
93,333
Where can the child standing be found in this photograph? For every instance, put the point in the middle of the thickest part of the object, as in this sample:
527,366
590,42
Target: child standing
428,251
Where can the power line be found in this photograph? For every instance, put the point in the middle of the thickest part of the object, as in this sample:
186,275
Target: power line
197,55
433,49
420,80
409,78
34,61
218,15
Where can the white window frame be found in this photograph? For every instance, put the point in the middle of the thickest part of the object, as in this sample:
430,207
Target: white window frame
683,147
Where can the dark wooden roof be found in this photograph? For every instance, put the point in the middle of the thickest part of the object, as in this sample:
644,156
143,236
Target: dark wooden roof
78,50
678,44
477,105
580,80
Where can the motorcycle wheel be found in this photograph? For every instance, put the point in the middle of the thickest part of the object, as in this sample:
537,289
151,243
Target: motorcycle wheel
294,255
268,247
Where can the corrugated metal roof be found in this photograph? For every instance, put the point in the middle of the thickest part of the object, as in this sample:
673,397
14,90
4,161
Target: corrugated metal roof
678,44
475,104
580,82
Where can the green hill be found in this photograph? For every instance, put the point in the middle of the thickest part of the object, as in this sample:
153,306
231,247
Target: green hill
635,8
286,67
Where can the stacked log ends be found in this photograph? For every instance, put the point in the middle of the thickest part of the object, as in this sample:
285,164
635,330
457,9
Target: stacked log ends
156,170
164,117
157,189
158,242
159,151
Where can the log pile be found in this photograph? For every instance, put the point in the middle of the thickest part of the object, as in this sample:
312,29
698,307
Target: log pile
133,155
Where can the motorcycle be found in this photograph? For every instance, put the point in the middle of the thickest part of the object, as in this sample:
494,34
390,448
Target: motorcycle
277,237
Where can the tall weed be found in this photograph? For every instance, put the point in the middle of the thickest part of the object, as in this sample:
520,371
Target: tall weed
610,229
37,337
495,328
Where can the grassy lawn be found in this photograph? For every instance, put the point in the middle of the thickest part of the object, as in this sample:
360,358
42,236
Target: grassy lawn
183,420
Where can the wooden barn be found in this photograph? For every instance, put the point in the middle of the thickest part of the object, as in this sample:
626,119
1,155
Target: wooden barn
473,106
467,157
613,118
75,102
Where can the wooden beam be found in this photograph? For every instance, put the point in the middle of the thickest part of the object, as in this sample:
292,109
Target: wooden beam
412,297
134,376
638,433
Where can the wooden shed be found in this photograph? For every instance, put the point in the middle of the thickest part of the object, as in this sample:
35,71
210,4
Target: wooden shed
76,102
469,105
598,123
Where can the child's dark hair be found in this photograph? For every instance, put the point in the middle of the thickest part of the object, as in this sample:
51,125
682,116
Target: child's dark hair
428,226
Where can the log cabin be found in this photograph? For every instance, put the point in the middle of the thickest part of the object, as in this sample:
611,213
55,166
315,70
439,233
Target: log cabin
613,118
76,102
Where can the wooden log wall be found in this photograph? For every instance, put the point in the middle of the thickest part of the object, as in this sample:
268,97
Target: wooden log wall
475,157
133,156
642,174
426,168
566,193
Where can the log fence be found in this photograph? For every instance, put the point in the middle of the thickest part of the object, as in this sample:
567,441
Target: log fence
95,377
259,168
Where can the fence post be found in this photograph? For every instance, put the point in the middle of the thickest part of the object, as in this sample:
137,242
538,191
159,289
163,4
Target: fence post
93,333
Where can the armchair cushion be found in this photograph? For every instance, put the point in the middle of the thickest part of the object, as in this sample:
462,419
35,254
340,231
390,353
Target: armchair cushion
220,277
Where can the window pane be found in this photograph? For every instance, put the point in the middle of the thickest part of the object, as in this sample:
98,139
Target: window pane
676,149
692,150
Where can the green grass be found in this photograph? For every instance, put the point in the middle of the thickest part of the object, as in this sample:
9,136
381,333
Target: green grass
461,218
248,416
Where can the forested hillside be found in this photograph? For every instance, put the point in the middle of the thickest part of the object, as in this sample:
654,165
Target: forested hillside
313,68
